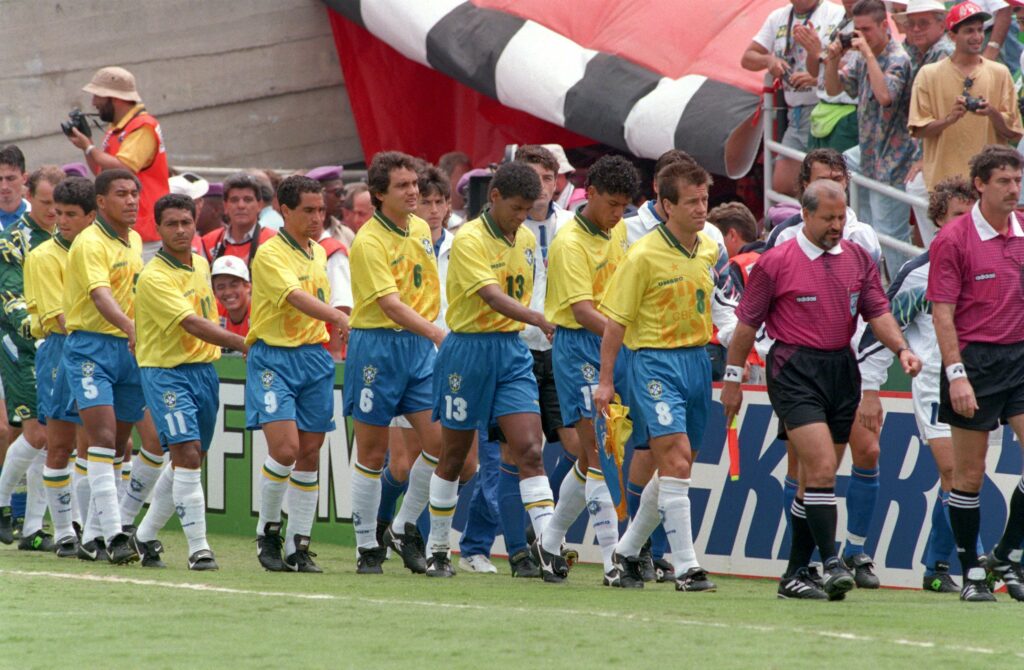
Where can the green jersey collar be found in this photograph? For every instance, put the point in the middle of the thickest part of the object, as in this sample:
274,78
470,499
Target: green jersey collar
59,240
588,225
671,240
172,261
290,241
492,227
389,224
110,232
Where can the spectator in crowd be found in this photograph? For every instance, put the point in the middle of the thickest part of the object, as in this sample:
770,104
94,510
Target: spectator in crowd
329,177
962,103
834,118
926,43
1000,45
787,46
737,225
878,74
76,170
357,208
211,215
133,142
233,289
455,164
195,187
567,196
242,234
339,277
12,185
269,217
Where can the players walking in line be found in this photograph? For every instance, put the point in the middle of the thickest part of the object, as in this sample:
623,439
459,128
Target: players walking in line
177,341
813,382
484,372
391,356
289,375
976,286
583,258
659,305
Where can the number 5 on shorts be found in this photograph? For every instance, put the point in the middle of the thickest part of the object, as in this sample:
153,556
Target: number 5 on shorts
89,386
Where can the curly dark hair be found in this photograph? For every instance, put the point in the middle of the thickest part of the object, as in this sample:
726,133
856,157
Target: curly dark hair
993,157
614,175
434,180
108,177
378,175
535,154
173,201
76,191
289,192
675,175
516,179
826,156
946,190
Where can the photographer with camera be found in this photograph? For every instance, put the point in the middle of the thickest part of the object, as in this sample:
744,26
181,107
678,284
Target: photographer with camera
133,142
962,103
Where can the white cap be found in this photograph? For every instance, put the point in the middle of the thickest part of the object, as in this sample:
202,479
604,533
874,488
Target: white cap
924,7
564,166
230,265
190,184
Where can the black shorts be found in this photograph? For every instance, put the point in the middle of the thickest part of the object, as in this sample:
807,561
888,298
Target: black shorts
996,373
550,413
812,386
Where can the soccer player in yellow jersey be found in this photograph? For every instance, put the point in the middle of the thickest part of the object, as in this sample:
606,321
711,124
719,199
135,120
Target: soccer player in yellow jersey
289,385
75,202
99,304
178,339
659,305
484,372
390,361
581,262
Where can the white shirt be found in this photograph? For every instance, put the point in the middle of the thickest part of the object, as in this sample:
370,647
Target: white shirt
812,250
443,255
339,276
985,230
854,231
646,219
544,231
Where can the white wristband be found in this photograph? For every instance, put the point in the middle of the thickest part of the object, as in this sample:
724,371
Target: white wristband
88,149
955,371
733,373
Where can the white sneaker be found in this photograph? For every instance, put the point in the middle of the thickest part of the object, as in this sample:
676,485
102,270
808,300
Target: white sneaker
477,563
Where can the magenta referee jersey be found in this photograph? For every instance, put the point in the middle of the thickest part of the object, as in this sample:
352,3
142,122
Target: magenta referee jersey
982,273
808,297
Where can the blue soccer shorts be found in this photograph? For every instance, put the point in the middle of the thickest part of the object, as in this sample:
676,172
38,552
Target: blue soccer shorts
671,392
183,402
101,371
290,384
387,374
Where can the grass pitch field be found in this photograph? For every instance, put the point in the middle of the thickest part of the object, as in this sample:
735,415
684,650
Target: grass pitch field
247,618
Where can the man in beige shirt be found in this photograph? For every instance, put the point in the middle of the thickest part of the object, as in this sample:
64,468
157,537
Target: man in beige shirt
962,103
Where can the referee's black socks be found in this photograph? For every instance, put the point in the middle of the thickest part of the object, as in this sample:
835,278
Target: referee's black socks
801,540
820,506
965,519
1014,533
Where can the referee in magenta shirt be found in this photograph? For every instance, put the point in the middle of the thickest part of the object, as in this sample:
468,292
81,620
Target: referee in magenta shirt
976,286
809,292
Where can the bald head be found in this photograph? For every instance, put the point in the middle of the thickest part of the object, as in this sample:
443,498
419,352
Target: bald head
819,191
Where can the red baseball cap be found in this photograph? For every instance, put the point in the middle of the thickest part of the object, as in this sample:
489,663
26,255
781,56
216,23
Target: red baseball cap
963,11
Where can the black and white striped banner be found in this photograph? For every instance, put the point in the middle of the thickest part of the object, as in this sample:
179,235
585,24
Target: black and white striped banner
606,97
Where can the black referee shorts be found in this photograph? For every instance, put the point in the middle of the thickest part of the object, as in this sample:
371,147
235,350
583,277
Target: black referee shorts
996,372
550,413
812,386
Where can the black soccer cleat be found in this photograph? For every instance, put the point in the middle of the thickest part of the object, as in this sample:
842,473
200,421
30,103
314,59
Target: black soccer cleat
553,568
369,561
800,586
613,577
629,571
647,569
409,546
77,527
695,579
302,559
837,579
129,528
121,550
67,547
149,552
37,541
202,560
6,525
940,580
663,570
976,590
861,566
268,547
523,566
93,550
440,565
1007,572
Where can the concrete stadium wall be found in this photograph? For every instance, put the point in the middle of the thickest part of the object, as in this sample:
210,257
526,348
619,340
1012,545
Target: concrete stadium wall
254,83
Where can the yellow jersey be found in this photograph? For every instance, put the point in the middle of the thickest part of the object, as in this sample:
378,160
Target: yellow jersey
581,260
44,285
100,257
662,292
386,259
167,293
481,255
280,267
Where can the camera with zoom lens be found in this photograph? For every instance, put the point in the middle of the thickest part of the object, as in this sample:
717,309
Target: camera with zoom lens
79,120
973,103
846,40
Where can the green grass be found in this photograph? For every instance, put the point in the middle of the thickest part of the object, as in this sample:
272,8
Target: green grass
472,621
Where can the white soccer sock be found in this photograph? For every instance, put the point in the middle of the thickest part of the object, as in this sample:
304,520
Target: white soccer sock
674,507
118,479
91,530
303,495
58,495
644,521
444,497
417,493
103,488
538,501
571,503
603,517
35,501
272,488
19,457
141,479
190,505
365,503
161,507
80,497
126,479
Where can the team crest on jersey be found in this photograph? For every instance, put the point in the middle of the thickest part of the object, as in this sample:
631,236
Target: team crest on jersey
88,368
589,372
369,374
170,399
854,299
267,378
180,511
529,256
428,246
455,382
655,389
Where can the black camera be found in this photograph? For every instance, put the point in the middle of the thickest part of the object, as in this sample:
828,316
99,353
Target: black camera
973,103
846,40
77,119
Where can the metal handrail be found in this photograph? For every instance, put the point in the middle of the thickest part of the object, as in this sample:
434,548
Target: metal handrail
346,175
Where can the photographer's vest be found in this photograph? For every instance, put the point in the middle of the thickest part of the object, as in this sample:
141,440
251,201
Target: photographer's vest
153,178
